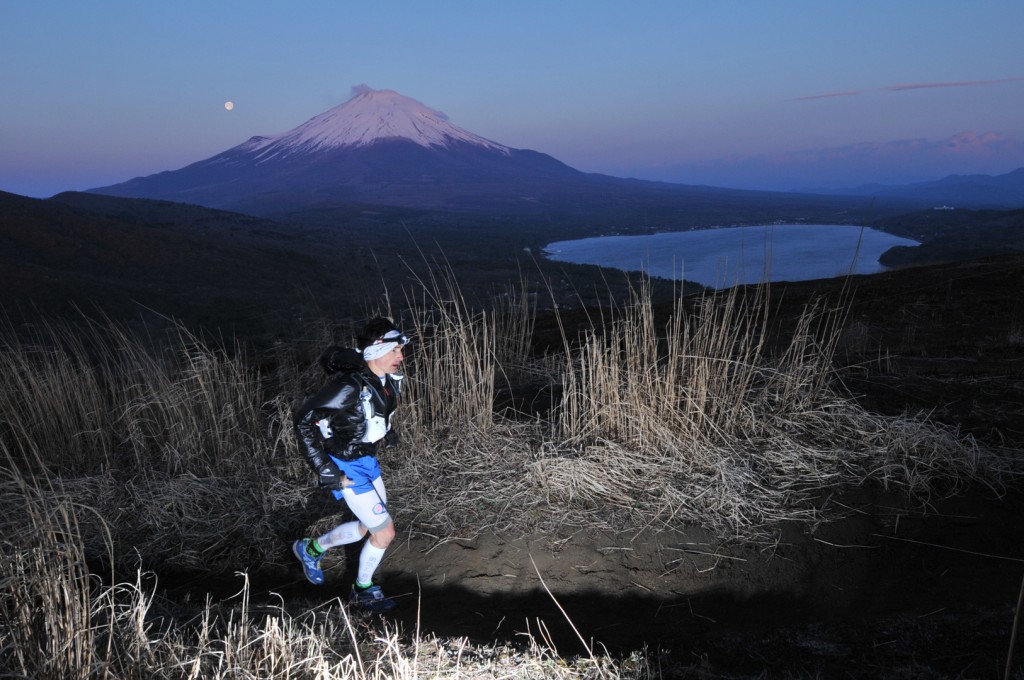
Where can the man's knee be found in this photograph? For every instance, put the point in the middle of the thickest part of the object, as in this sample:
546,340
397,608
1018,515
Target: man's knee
382,537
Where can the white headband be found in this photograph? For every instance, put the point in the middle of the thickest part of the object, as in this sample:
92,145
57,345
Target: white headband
383,345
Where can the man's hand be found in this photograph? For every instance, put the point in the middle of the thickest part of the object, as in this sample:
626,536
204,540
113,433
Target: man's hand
332,478
390,439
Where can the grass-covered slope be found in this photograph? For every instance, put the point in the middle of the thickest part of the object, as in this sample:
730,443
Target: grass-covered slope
173,455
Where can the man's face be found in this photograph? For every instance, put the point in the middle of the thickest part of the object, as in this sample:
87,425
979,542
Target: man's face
389,363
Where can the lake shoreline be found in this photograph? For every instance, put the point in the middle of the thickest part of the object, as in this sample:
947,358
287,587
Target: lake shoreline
722,257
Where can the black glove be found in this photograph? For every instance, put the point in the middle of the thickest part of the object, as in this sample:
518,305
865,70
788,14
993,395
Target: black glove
331,477
391,439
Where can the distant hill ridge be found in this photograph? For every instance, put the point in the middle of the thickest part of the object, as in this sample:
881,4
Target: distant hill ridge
975,191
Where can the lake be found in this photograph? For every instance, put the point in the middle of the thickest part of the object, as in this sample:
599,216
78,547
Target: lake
729,256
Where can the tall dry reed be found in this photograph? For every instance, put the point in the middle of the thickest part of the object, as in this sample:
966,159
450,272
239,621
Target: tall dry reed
92,397
690,419
452,361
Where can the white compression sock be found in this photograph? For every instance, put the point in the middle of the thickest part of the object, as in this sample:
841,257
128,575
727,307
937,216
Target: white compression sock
343,534
369,558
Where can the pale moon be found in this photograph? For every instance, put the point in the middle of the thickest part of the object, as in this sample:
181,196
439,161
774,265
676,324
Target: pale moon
229,105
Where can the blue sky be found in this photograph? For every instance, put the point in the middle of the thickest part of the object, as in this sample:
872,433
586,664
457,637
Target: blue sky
751,94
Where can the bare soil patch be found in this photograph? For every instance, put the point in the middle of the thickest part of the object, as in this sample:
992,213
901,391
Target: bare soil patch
885,591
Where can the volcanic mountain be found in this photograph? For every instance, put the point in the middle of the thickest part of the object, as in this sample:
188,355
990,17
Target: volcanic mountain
379,147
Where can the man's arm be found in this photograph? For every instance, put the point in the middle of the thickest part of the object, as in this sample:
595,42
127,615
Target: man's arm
310,436
328,423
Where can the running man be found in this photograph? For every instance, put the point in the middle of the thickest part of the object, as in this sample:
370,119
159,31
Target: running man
340,429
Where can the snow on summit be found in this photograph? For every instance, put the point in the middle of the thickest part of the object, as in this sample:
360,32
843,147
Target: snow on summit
370,116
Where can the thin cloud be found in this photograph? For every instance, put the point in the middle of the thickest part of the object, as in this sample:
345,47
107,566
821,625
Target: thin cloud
850,93
362,88
911,86
962,83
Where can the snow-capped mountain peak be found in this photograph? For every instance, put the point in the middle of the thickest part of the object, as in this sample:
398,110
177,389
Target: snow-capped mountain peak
368,117
379,147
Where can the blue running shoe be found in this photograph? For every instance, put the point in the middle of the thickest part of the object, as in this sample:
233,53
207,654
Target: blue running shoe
310,564
371,599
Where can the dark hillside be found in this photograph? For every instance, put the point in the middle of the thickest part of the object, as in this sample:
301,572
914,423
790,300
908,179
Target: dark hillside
953,235
125,257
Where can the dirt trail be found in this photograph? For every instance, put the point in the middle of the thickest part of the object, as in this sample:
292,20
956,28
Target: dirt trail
880,589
